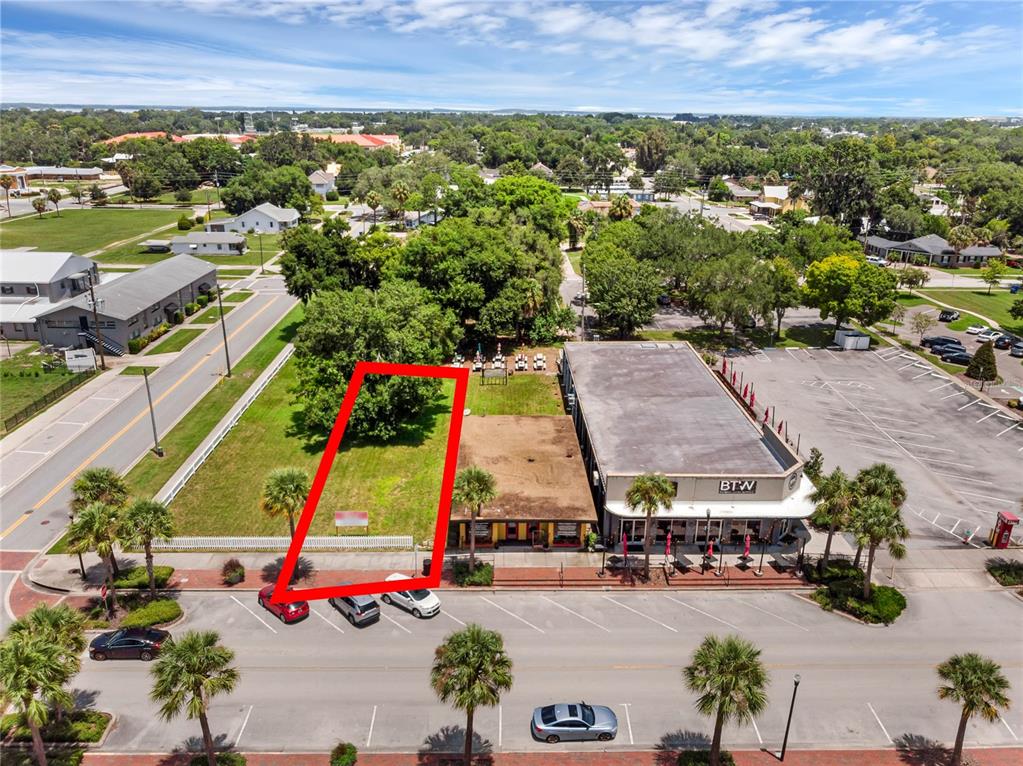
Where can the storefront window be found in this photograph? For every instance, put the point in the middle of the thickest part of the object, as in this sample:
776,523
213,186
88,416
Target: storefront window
566,533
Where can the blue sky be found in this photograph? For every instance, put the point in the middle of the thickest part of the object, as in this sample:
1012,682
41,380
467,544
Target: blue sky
726,56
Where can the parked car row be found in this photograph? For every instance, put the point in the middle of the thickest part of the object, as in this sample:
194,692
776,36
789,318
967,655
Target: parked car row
359,610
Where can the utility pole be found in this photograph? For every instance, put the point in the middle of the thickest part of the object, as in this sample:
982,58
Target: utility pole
223,329
152,415
261,269
95,320
583,266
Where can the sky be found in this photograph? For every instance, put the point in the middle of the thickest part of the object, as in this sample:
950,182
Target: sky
712,56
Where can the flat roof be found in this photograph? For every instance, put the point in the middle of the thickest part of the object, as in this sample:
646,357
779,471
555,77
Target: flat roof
656,407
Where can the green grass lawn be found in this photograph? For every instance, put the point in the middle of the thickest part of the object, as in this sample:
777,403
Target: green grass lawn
176,340
23,380
151,473
271,246
996,305
212,314
237,297
136,369
82,231
398,483
234,273
967,271
527,393
575,257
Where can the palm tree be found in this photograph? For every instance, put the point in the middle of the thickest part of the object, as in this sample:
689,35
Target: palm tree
284,493
649,492
874,522
620,208
39,203
978,685
576,229
142,522
373,202
94,528
470,670
401,193
879,480
960,237
7,183
53,195
474,488
190,672
32,676
98,485
62,627
731,680
834,498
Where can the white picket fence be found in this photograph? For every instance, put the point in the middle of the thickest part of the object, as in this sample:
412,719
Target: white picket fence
337,543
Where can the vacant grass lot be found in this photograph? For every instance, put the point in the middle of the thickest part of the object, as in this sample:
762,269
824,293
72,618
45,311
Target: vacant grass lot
996,305
23,380
82,231
527,393
176,340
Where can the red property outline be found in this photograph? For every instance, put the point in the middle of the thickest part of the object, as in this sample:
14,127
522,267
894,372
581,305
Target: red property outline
282,594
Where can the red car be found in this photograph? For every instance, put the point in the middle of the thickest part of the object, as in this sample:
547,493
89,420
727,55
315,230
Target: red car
293,612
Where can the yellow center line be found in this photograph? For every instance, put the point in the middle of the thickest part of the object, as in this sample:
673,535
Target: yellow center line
131,424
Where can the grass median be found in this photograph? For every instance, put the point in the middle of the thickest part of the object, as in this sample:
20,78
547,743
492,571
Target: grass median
176,340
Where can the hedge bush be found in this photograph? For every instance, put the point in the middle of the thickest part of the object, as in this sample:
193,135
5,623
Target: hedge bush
157,612
344,754
62,757
1006,571
137,344
223,759
484,574
179,316
184,223
137,577
333,196
202,300
232,572
191,308
885,605
76,726
702,758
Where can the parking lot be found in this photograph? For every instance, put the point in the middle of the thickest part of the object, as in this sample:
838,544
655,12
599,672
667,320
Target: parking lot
959,456
305,686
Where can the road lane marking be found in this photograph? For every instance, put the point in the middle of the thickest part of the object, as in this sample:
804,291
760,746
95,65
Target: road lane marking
329,622
32,452
757,730
700,611
886,735
241,730
267,625
448,614
628,721
634,611
512,614
372,720
1009,728
581,617
776,616
395,622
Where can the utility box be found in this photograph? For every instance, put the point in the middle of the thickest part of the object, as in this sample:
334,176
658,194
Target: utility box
80,359
852,340
1003,529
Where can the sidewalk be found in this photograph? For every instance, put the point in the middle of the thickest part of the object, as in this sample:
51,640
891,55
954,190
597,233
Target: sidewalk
985,757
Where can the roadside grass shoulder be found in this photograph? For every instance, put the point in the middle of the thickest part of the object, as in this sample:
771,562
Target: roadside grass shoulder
212,314
237,297
176,340
136,369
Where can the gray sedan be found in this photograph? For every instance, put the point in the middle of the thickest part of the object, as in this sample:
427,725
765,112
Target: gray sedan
574,722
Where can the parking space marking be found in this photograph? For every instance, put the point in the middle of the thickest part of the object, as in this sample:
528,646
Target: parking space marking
241,730
972,401
395,622
581,617
267,625
448,614
911,364
925,372
628,721
1006,430
1008,728
322,617
904,431
963,478
831,354
644,616
756,729
512,614
372,721
938,388
875,448
956,463
987,497
957,393
887,736
857,434
776,616
926,446
989,415
700,611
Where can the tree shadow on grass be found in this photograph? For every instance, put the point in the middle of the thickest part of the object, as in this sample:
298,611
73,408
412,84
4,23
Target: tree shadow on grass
304,569
445,746
917,750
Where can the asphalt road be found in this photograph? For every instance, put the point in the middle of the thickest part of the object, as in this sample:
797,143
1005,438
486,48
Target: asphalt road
112,428
305,686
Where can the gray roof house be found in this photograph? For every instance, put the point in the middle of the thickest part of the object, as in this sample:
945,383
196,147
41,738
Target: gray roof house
128,307
322,182
265,218
936,250
208,243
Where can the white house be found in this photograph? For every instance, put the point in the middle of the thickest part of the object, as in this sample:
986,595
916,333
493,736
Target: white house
265,218
322,182
208,243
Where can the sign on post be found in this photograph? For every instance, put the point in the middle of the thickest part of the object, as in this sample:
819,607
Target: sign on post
351,519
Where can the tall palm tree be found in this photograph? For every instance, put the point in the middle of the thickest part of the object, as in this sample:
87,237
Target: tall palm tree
7,183
576,229
98,485
620,208
62,627
373,202
875,522
32,676
470,670
95,528
53,195
284,493
401,193
649,492
960,237
978,685
834,498
142,522
474,488
731,680
190,672
879,480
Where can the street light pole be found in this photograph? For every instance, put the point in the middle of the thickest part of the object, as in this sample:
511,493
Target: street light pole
792,705
152,415
763,547
583,267
706,546
223,329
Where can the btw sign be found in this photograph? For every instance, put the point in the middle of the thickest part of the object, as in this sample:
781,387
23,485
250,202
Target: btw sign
737,486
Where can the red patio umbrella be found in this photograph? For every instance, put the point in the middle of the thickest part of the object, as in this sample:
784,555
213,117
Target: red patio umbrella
745,551
724,366
625,544
734,376
745,391
767,411
780,422
667,546
752,398
710,547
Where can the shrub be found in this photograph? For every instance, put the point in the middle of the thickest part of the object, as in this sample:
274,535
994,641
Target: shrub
1005,571
136,577
344,754
136,344
183,195
184,223
333,196
484,574
179,316
157,612
702,758
62,757
202,300
76,726
223,759
232,572
200,220
885,604
191,308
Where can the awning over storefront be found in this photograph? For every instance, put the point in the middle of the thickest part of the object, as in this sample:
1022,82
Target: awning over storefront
795,506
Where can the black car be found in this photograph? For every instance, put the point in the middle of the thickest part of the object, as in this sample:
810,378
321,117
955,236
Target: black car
948,315
937,340
959,357
128,644
948,348
1005,341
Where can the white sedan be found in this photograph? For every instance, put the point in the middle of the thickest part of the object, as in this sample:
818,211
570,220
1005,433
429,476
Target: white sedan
419,601
987,335
975,329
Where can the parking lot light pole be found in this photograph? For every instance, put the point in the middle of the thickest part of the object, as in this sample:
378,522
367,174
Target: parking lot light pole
792,705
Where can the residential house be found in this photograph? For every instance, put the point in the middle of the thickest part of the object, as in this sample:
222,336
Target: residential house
149,134
603,206
32,282
322,182
740,192
19,175
774,200
208,243
265,219
539,167
365,140
129,306
935,249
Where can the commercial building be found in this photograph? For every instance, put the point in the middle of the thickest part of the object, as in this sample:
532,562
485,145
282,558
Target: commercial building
657,408
935,249
32,282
